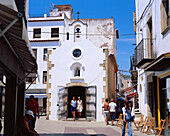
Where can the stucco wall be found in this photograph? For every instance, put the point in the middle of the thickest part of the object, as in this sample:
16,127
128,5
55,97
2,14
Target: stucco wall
160,43
61,73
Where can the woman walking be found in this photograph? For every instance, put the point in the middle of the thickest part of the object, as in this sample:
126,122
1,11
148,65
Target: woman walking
128,117
79,106
73,107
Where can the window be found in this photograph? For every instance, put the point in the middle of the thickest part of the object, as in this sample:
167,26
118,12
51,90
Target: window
77,72
45,54
67,35
77,53
165,16
35,52
31,78
44,77
37,33
149,46
54,32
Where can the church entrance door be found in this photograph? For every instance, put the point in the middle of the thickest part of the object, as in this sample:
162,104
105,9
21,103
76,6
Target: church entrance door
76,91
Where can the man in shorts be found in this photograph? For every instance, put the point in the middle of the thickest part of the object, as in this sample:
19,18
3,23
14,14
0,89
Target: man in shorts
112,106
106,111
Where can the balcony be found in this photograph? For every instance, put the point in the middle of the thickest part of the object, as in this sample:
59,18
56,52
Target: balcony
144,52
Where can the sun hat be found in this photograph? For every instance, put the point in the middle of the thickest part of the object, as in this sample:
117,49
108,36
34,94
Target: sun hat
29,112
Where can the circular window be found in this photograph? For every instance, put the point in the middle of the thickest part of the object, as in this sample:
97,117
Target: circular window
77,53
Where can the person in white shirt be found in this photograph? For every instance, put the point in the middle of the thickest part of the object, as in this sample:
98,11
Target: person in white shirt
127,114
112,106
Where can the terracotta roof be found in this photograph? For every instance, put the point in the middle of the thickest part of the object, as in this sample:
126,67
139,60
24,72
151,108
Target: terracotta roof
78,20
63,7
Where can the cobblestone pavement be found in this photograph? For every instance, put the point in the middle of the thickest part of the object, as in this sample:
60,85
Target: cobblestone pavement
78,128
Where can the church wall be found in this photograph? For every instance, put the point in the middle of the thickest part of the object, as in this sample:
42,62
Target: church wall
101,32
61,61
93,74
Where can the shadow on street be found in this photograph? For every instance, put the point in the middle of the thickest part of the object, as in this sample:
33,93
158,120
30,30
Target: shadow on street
72,134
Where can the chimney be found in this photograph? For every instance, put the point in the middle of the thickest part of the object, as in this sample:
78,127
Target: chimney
45,15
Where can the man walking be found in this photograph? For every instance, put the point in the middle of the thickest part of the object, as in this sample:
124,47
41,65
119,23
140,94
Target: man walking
33,106
106,111
112,106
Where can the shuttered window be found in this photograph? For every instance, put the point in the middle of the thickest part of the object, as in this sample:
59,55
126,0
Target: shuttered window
165,16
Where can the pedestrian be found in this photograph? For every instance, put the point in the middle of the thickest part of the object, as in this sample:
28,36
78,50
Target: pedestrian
24,129
79,106
106,111
112,106
119,109
73,107
128,117
33,106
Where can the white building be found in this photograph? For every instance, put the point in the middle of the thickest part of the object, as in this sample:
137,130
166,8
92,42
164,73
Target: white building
153,57
76,57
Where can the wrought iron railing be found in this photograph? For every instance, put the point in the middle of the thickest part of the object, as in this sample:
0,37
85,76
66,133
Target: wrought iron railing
144,50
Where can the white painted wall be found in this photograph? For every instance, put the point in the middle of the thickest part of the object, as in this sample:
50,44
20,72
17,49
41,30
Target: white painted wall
46,29
61,57
160,45
42,64
61,73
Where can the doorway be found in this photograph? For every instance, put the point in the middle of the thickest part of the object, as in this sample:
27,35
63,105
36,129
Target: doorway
76,92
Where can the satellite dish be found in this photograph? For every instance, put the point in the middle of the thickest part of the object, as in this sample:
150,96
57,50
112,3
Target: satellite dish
55,9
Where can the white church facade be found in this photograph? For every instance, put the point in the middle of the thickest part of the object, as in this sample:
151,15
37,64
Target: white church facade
76,57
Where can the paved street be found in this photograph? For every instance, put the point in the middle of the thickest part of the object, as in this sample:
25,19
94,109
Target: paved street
78,128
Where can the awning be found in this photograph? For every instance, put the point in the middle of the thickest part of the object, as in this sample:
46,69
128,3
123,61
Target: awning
131,95
36,95
129,89
13,30
159,64
120,98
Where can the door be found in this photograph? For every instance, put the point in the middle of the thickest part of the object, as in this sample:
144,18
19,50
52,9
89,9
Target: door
62,102
91,99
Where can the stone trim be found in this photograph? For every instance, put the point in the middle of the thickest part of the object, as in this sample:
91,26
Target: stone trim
76,84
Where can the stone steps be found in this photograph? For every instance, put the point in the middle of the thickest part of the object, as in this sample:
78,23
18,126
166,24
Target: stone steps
77,120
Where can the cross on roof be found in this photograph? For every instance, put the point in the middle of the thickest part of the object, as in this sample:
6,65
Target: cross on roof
78,13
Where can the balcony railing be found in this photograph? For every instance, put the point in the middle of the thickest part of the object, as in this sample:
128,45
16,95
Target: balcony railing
144,52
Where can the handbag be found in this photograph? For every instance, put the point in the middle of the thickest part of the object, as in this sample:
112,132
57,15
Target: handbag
129,117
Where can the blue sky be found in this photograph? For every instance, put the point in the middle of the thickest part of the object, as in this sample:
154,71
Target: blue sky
121,10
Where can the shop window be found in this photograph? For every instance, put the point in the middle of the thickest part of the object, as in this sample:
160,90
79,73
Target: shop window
44,77
45,54
37,33
31,78
35,52
165,16
54,32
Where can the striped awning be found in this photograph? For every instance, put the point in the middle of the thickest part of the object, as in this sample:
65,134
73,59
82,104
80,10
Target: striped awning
17,37
36,95
129,89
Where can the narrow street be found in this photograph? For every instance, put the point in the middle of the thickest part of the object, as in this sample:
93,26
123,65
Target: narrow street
78,128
